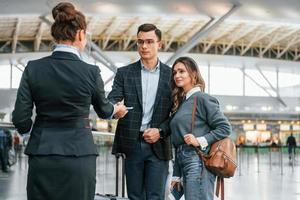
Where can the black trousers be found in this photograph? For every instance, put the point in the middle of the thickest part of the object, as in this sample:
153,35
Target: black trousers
61,177
3,159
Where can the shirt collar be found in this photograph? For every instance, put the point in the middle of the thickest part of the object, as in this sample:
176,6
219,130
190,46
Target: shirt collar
157,67
69,49
192,91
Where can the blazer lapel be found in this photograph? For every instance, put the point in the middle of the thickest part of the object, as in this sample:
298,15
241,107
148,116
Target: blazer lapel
138,81
162,74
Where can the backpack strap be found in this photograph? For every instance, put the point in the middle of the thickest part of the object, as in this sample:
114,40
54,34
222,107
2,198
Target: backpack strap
220,187
193,114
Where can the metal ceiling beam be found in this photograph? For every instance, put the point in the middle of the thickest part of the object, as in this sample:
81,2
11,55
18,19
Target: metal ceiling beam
46,20
5,45
16,66
200,34
238,35
256,38
218,36
172,33
15,36
276,91
171,28
296,57
170,41
190,44
92,23
110,30
98,55
294,41
130,32
188,30
109,79
277,39
38,37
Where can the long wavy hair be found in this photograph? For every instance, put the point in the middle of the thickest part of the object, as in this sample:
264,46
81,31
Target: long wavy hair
197,80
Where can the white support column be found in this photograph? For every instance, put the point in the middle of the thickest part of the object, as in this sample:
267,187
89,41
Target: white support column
11,76
244,80
208,77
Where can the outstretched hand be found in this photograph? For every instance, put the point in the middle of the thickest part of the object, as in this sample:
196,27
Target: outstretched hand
120,111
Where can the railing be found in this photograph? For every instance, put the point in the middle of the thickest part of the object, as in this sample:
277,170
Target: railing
103,138
275,156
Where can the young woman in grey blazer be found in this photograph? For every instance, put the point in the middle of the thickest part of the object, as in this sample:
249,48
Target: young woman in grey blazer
210,126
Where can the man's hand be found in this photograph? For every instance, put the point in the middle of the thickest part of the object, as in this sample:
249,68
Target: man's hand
120,111
151,135
190,139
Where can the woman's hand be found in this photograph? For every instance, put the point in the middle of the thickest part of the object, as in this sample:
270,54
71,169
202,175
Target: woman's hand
191,140
177,185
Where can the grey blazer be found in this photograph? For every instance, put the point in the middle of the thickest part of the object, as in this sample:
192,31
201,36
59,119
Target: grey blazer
210,122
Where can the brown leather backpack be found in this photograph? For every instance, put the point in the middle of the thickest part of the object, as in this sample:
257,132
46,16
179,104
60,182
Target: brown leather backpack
221,159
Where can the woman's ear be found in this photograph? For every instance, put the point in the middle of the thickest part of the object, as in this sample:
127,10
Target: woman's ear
81,35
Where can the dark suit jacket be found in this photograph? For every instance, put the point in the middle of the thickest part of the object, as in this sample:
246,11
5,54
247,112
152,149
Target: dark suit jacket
128,86
62,87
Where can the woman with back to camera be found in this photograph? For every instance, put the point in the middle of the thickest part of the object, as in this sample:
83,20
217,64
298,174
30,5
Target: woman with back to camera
210,126
62,154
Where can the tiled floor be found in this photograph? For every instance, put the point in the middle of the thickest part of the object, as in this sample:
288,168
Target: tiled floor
256,179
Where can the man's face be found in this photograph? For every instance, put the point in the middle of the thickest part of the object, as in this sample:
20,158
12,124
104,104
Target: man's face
148,45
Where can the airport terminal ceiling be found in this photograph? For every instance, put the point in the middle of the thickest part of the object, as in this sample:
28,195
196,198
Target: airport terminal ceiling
257,38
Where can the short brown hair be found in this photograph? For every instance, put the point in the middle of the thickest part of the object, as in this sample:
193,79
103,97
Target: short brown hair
68,21
150,27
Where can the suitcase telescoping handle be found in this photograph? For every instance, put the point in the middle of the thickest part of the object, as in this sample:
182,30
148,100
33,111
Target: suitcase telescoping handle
122,156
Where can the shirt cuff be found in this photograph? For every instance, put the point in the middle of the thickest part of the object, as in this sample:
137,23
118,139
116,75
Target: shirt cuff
113,113
176,178
203,143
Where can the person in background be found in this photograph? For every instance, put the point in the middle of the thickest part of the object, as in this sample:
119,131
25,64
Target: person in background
61,150
17,144
291,143
143,133
4,146
210,126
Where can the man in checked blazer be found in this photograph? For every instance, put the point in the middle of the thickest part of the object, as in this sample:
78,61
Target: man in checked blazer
143,134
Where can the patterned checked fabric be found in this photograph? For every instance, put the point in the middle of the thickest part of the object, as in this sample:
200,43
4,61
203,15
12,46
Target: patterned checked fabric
127,86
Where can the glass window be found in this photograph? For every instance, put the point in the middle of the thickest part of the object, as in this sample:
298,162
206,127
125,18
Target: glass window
252,89
4,76
289,84
16,76
226,81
